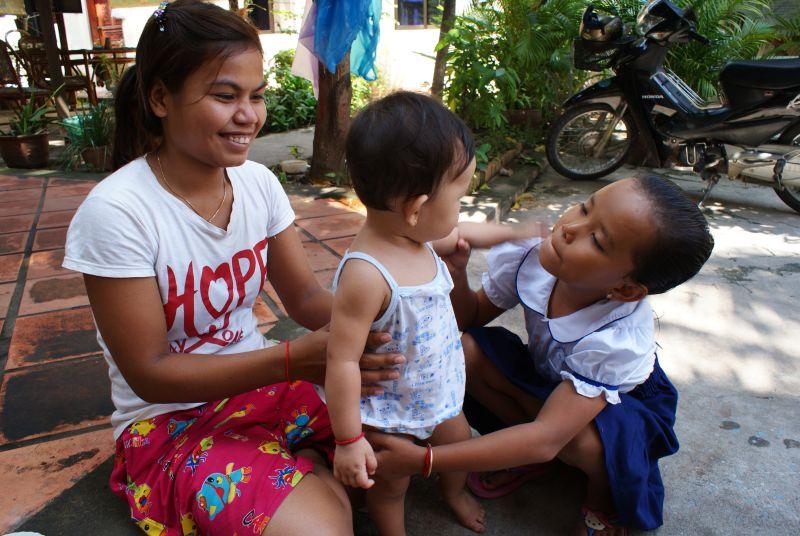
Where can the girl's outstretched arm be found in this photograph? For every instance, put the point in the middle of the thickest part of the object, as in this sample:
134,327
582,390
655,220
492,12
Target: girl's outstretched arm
486,235
564,414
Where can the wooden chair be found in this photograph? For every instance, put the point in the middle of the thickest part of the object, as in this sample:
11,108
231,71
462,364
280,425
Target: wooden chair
11,88
34,60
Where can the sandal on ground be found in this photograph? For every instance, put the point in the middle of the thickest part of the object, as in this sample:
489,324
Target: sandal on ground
477,483
601,524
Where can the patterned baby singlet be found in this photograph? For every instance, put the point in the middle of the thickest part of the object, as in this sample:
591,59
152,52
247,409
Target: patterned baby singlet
423,327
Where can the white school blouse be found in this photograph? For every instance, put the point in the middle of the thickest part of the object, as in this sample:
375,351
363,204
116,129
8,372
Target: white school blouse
606,348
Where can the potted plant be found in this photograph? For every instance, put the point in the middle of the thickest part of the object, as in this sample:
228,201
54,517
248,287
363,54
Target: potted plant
24,143
89,136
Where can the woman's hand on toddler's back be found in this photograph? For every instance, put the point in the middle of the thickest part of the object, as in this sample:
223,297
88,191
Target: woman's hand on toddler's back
353,464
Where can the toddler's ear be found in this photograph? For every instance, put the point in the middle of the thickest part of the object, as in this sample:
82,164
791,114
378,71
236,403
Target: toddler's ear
628,291
412,207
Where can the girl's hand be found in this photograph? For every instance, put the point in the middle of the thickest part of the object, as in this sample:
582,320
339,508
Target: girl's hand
308,356
532,228
397,457
354,463
457,260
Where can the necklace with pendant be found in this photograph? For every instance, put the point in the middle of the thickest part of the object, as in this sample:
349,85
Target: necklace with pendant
189,203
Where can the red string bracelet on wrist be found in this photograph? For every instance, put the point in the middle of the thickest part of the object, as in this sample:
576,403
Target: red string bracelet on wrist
286,362
342,442
427,467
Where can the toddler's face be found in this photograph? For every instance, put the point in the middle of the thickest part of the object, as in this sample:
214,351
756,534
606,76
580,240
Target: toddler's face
593,243
439,215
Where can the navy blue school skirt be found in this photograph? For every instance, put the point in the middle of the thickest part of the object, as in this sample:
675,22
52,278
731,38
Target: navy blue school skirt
635,433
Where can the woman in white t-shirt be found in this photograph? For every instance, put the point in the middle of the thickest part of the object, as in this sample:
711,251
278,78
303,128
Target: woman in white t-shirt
215,431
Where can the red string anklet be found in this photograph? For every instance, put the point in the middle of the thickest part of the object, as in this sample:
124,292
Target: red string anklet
427,467
342,442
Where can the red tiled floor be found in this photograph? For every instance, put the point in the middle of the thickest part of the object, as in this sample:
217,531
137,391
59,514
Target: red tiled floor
15,208
11,224
54,466
9,182
325,277
50,239
21,196
263,313
60,397
270,290
68,190
304,236
305,207
53,294
319,257
46,264
62,203
52,336
340,245
9,267
60,218
13,242
58,181
6,291
333,226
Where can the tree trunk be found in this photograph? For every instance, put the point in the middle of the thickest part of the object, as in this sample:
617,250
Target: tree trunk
333,120
233,5
448,19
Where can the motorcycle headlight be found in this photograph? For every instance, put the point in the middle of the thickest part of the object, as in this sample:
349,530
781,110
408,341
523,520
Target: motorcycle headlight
646,20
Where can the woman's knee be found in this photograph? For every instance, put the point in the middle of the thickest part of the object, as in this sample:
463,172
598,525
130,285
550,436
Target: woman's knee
312,508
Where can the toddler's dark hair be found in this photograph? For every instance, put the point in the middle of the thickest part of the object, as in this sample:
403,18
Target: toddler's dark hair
683,242
194,32
402,146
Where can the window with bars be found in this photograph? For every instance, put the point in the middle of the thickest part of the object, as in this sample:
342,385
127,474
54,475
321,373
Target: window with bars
419,13
260,14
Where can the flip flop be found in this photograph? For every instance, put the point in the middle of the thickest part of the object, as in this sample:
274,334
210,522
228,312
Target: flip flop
522,474
598,523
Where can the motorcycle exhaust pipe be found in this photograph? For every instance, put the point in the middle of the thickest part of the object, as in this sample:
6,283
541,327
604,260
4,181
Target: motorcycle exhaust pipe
766,164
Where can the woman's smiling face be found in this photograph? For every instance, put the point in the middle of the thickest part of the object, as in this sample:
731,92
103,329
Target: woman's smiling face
592,245
218,111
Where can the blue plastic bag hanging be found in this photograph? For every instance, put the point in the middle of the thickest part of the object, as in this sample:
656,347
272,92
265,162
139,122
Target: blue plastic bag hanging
342,24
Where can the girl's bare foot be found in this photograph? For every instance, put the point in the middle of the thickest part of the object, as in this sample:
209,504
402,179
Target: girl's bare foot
468,511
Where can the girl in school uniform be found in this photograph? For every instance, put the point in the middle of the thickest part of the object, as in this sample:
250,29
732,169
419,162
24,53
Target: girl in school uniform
587,387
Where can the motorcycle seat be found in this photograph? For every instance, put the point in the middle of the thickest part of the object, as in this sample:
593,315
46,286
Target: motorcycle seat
762,74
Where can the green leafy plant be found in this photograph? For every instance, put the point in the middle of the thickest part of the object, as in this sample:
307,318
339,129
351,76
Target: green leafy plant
89,129
28,119
482,155
289,99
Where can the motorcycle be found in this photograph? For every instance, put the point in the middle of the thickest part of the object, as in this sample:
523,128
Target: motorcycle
752,135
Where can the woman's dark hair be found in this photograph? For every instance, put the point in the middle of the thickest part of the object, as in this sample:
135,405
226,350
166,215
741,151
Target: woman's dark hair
194,32
683,242
402,146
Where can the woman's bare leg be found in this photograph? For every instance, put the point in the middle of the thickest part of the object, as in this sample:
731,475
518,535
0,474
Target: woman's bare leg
318,505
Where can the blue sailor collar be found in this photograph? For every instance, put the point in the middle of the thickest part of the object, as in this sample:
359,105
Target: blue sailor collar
534,287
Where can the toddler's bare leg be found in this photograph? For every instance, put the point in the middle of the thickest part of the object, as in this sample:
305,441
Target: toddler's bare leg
385,504
469,512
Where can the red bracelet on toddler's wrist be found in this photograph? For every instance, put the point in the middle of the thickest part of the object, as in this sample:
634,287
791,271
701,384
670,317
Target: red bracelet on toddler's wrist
427,467
342,442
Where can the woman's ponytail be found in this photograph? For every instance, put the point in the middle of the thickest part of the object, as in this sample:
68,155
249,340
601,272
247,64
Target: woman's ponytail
129,136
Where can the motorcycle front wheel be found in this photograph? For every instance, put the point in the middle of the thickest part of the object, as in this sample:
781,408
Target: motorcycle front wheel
790,194
574,138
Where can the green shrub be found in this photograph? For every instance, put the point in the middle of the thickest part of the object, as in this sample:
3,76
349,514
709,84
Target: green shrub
289,99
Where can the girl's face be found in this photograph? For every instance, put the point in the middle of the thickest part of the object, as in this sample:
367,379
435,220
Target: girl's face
439,214
592,244
218,111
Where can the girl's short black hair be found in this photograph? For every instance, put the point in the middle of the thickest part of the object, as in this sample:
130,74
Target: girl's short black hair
683,241
405,145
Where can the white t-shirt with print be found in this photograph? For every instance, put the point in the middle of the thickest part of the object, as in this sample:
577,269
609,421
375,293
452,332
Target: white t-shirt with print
209,278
